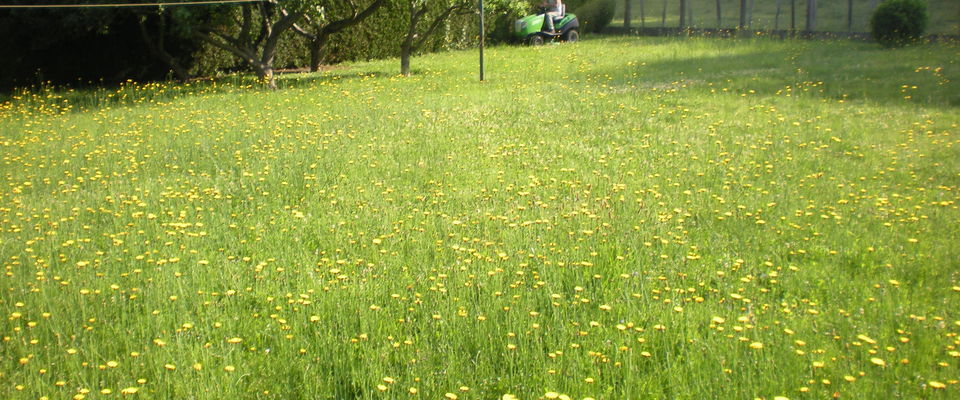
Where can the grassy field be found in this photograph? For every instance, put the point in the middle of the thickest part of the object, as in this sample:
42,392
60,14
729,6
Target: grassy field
831,14
621,218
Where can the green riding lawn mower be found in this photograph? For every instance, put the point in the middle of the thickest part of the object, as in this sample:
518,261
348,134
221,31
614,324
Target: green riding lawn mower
534,30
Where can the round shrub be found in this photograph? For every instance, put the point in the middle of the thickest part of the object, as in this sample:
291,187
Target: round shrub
594,15
899,22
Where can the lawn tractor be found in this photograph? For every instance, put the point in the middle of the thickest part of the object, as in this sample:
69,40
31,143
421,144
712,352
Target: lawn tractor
533,30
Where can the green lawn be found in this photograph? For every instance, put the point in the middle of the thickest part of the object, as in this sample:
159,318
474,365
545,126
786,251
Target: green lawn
620,218
831,14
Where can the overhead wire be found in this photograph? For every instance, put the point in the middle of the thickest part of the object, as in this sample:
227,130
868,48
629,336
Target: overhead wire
121,5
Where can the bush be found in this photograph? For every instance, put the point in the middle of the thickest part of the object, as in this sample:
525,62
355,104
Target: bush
899,22
595,15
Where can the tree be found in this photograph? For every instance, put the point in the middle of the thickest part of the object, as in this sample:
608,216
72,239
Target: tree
253,33
627,13
318,29
426,16
108,45
156,30
423,10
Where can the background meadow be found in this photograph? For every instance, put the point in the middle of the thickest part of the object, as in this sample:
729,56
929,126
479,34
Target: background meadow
621,218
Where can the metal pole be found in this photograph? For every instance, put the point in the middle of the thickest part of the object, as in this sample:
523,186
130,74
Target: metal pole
481,40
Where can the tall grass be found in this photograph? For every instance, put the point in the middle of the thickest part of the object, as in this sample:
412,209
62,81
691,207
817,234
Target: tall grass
621,218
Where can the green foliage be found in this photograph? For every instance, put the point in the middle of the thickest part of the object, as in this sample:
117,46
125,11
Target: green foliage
594,15
899,22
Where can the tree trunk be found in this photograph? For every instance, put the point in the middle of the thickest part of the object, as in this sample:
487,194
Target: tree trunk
811,15
315,59
626,13
663,17
321,35
405,61
719,18
793,16
158,50
406,47
849,15
776,17
643,16
743,15
750,15
265,74
683,14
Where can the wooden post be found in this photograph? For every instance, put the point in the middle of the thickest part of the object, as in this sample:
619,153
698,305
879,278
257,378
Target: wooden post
626,13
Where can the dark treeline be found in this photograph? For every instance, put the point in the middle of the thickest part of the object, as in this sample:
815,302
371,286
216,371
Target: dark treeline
80,46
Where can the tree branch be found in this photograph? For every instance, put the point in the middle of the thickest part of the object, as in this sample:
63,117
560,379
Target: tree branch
436,24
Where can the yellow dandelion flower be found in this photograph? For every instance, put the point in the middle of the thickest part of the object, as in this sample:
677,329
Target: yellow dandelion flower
508,396
552,395
756,345
229,368
170,367
234,340
129,390
878,362
936,385
450,396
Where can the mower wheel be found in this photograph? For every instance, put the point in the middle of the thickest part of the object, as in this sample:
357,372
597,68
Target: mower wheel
535,40
572,36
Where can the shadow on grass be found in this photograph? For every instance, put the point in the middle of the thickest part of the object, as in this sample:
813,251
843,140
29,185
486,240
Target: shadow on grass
919,75
64,99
